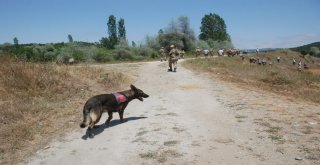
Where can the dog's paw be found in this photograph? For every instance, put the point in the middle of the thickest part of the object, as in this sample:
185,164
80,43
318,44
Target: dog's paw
124,120
91,135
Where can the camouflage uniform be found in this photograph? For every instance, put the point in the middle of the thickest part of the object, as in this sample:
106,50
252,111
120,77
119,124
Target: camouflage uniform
182,54
211,52
173,58
198,52
162,54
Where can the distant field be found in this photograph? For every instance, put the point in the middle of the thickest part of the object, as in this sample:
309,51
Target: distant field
282,78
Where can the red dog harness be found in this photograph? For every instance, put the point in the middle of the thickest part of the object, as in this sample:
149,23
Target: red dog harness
120,97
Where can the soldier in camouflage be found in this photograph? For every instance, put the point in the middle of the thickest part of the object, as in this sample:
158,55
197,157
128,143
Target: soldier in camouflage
182,53
173,58
162,54
198,52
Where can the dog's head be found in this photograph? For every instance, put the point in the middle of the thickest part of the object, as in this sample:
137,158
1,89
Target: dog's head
138,93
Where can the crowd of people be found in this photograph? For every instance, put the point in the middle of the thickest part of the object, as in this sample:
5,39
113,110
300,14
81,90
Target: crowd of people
174,55
263,61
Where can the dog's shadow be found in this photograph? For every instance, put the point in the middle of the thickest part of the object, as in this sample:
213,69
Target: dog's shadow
100,128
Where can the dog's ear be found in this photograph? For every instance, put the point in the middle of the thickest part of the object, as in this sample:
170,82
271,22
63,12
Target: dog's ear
133,87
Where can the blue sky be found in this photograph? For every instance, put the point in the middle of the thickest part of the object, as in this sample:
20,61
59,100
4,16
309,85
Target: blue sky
250,23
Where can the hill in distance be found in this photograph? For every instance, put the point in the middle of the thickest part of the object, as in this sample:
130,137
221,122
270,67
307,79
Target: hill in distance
307,47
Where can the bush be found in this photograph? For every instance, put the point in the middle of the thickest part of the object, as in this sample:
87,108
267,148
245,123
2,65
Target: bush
102,56
49,56
314,51
145,51
79,55
61,52
63,58
123,54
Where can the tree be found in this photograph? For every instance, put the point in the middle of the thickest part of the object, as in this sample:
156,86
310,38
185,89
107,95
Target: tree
105,42
160,32
15,41
112,31
133,44
172,27
70,38
121,29
303,52
213,27
152,42
188,36
179,33
168,39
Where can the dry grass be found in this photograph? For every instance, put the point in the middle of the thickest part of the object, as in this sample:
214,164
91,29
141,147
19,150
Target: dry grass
42,101
282,78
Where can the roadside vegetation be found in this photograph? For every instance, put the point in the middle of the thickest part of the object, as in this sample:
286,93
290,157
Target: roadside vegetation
115,47
281,77
43,101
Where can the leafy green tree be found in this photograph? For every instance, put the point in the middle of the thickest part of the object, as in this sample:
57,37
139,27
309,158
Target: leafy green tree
168,39
15,41
121,29
112,31
70,38
179,33
213,27
104,42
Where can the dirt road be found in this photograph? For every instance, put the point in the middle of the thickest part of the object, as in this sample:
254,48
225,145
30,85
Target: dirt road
191,119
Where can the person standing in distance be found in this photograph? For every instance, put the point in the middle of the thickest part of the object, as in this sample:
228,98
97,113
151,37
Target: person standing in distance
173,58
162,54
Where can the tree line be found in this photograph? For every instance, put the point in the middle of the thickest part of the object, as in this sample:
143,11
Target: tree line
115,46
312,49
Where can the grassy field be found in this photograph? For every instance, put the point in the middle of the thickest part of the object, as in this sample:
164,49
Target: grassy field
281,77
42,101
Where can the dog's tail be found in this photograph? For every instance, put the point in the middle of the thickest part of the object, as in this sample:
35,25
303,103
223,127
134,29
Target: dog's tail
86,118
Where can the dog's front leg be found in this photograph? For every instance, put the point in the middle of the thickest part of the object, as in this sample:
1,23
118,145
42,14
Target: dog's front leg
121,116
121,111
89,131
109,118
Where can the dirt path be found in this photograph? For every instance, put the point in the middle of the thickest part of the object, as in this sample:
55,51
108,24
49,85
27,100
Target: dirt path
191,119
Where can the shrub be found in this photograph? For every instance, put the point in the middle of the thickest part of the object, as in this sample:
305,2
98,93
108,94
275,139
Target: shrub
102,56
145,51
123,54
79,55
49,56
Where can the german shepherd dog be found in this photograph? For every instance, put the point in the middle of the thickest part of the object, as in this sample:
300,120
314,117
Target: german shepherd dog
114,102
